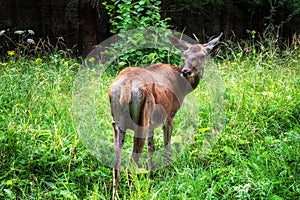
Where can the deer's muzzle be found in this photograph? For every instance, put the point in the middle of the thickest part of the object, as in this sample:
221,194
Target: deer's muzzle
186,73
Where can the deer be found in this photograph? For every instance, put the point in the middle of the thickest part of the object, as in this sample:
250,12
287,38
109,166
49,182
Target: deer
141,99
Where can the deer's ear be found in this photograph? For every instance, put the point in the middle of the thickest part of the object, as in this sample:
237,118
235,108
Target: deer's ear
213,42
179,44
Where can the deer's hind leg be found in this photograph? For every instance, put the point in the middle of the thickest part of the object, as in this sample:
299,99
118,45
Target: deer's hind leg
140,135
141,109
119,136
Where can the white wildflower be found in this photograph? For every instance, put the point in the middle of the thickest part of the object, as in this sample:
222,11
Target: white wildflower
30,41
19,32
31,32
2,32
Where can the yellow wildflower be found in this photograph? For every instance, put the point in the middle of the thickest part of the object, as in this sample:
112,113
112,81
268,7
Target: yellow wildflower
202,130
11,53
9,182
91,59
38,60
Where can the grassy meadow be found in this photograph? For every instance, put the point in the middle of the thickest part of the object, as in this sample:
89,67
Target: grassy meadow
256,156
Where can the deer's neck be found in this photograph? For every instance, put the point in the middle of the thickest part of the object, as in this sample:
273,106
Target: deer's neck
196,79
179,83
183,86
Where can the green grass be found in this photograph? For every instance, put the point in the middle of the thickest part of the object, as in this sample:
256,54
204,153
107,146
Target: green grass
256,157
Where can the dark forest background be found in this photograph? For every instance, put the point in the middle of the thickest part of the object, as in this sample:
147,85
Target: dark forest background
76,21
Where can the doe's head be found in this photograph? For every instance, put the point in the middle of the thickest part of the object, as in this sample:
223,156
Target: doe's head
194,54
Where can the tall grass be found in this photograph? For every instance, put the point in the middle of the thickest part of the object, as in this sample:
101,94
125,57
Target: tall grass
256,157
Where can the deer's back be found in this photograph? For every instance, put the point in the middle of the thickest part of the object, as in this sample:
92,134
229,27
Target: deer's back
156,91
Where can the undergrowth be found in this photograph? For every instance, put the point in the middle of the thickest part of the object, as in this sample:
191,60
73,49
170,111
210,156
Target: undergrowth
256,156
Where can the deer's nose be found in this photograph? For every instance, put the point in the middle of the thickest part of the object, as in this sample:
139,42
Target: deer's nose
186,73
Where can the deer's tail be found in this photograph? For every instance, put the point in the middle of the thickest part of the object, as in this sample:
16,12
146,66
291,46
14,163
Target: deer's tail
125,95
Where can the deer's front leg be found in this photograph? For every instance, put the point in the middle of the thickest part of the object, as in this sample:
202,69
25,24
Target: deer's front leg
168,128
119,136
151,148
